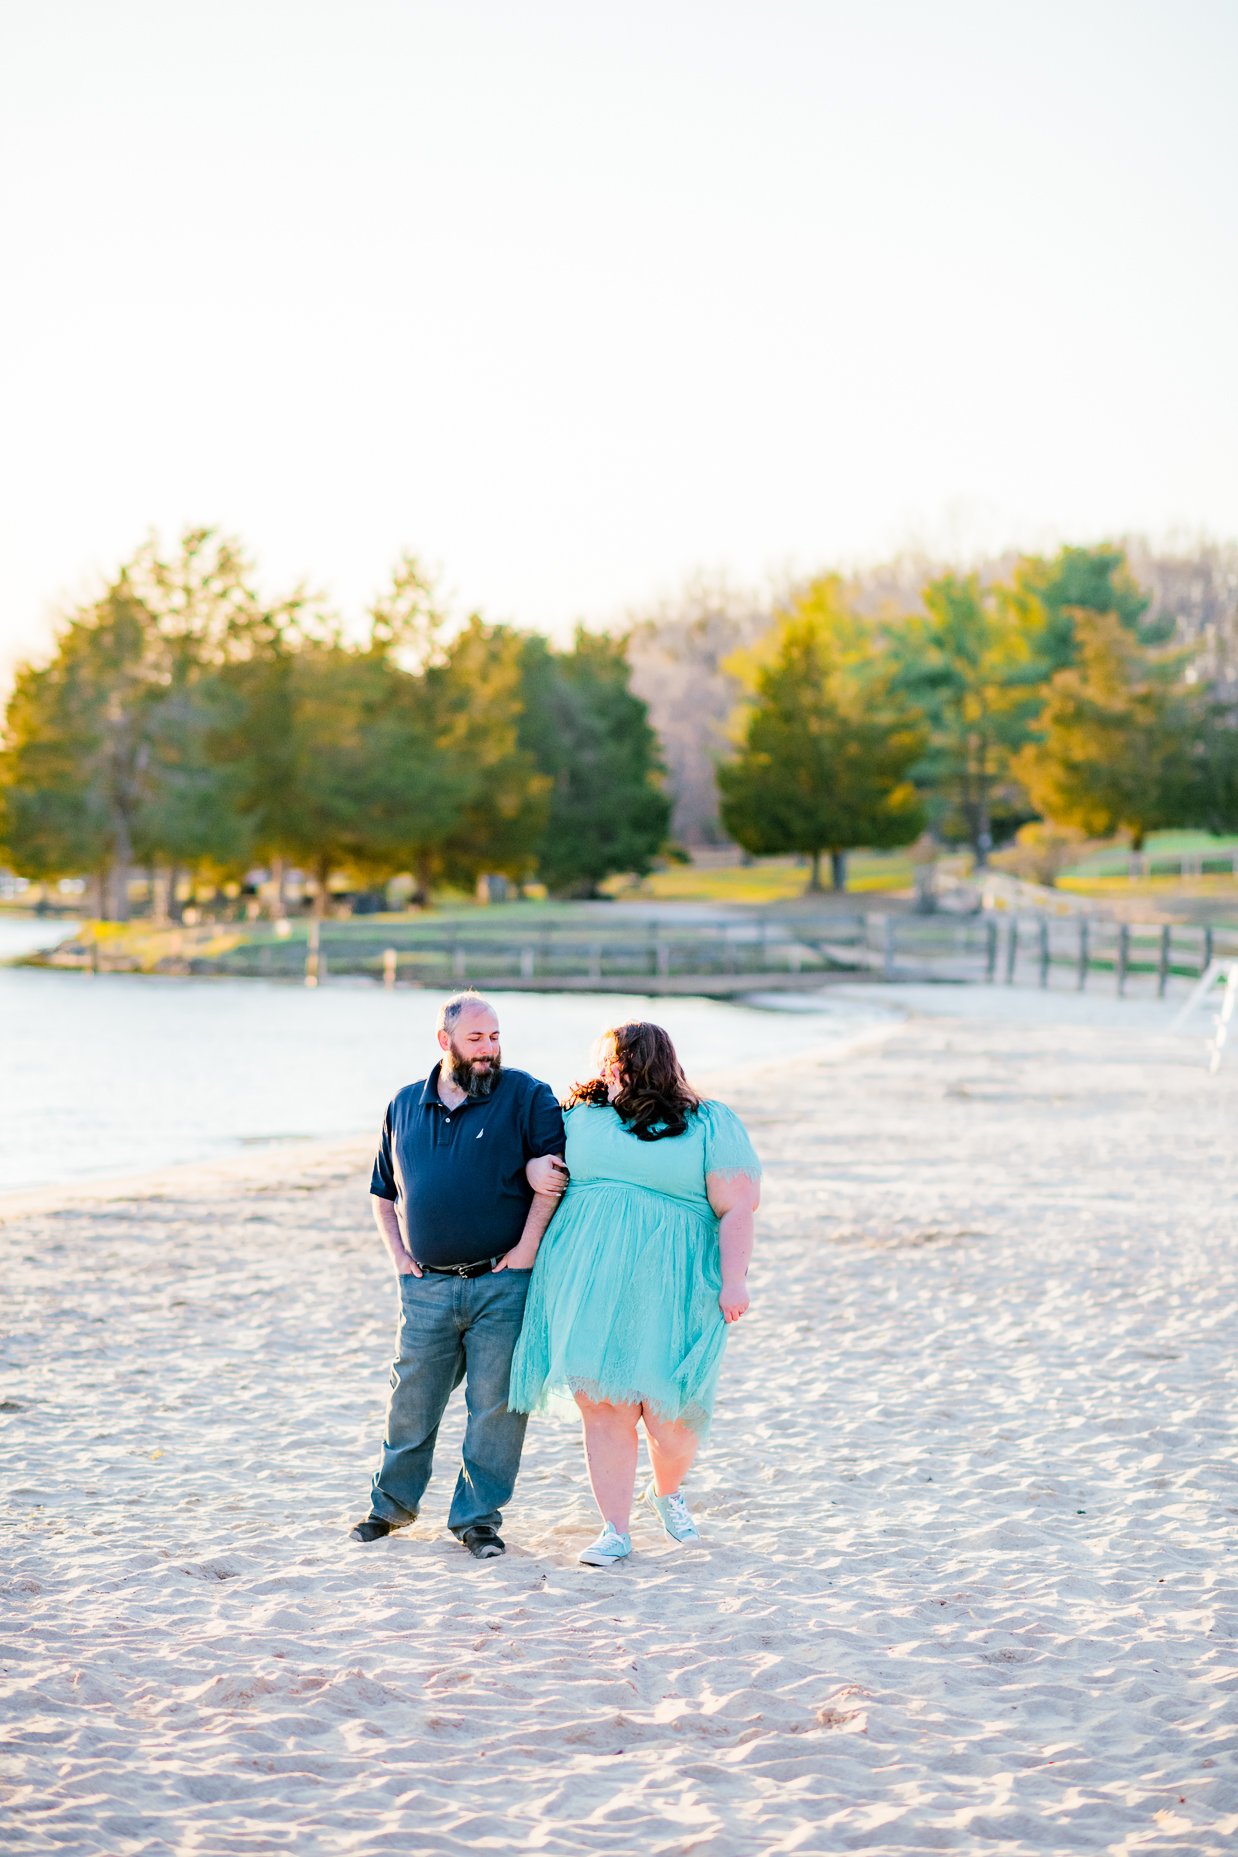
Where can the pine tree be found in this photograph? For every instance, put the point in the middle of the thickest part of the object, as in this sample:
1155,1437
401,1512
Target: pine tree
969,665
828,742
591,739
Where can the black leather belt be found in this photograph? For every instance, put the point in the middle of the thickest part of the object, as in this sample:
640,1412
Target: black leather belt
461,1270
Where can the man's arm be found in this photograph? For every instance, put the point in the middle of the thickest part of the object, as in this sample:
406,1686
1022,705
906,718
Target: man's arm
389,1226
548,1177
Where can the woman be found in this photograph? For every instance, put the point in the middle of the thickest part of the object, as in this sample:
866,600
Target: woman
639,1275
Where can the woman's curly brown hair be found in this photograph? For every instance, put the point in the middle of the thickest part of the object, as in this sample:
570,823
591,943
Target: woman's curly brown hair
656,1099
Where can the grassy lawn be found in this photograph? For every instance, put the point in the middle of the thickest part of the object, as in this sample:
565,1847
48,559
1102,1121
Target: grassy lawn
1114,860
1156,889
1103,875
766,881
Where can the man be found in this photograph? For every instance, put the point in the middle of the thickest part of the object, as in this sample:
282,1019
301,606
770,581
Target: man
468,1173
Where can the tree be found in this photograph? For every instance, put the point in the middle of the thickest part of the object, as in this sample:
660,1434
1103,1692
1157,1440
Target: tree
53,822
77,762
112,751
827,740
678,655
591,739
255,736
968,664
1215,786
1048,595
407,621
478,694
399,754
370,788
331,746
1116,733
206,613
1194,599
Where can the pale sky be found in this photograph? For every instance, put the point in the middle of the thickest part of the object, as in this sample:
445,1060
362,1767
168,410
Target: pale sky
576,299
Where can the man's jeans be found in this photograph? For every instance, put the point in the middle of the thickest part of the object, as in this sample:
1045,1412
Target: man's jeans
453,1329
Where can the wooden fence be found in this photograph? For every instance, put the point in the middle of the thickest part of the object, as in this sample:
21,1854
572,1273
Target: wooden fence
1067,952
1214,862
717,956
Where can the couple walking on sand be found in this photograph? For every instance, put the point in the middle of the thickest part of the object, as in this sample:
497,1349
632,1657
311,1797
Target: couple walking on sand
623,1304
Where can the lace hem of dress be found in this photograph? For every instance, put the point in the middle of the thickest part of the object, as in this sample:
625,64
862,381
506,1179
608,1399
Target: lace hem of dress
692,1414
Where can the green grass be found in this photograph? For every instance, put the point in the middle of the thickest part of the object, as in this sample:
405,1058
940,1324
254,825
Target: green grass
1114,860
765,881
1162,889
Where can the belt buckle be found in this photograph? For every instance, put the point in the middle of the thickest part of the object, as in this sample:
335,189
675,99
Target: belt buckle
462,1270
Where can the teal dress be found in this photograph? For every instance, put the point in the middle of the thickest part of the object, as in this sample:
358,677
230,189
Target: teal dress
623,1299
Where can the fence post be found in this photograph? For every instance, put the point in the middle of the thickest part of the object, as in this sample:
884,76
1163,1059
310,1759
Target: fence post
1162,965
664,958
595,961
1124,954
1012,949
1044,951
458,960
527,962
1083,952
888,953
1207,950
990,948
390,957
313,960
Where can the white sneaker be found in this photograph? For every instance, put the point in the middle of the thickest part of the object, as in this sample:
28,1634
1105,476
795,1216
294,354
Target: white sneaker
609,1547
674,1515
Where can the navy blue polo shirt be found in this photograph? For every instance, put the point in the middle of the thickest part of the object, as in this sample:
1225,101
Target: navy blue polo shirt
457,1175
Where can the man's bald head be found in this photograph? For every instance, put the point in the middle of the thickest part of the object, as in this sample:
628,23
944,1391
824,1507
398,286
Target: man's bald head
468,1036
451,1009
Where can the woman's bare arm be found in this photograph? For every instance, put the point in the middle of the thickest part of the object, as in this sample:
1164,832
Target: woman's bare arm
735,1198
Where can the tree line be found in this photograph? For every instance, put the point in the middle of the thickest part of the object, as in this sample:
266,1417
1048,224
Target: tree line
186,727
1058,689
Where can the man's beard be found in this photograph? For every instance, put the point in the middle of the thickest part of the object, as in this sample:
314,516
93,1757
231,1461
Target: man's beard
475,1076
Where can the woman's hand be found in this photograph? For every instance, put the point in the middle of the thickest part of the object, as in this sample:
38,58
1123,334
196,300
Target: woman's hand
733,1300
547,1174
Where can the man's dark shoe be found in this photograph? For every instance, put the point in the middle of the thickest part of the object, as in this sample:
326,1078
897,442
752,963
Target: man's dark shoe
373,1528
483,1542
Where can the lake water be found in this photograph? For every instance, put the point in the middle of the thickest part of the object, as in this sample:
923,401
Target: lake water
114,1074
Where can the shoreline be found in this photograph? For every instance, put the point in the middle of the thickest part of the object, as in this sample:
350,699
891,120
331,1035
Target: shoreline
901,1005
206,1178
250,1163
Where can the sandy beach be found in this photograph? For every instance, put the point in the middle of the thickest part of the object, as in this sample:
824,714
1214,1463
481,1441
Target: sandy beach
970,1504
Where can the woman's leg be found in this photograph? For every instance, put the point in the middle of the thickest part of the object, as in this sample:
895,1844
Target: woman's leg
672,1450
610,1457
